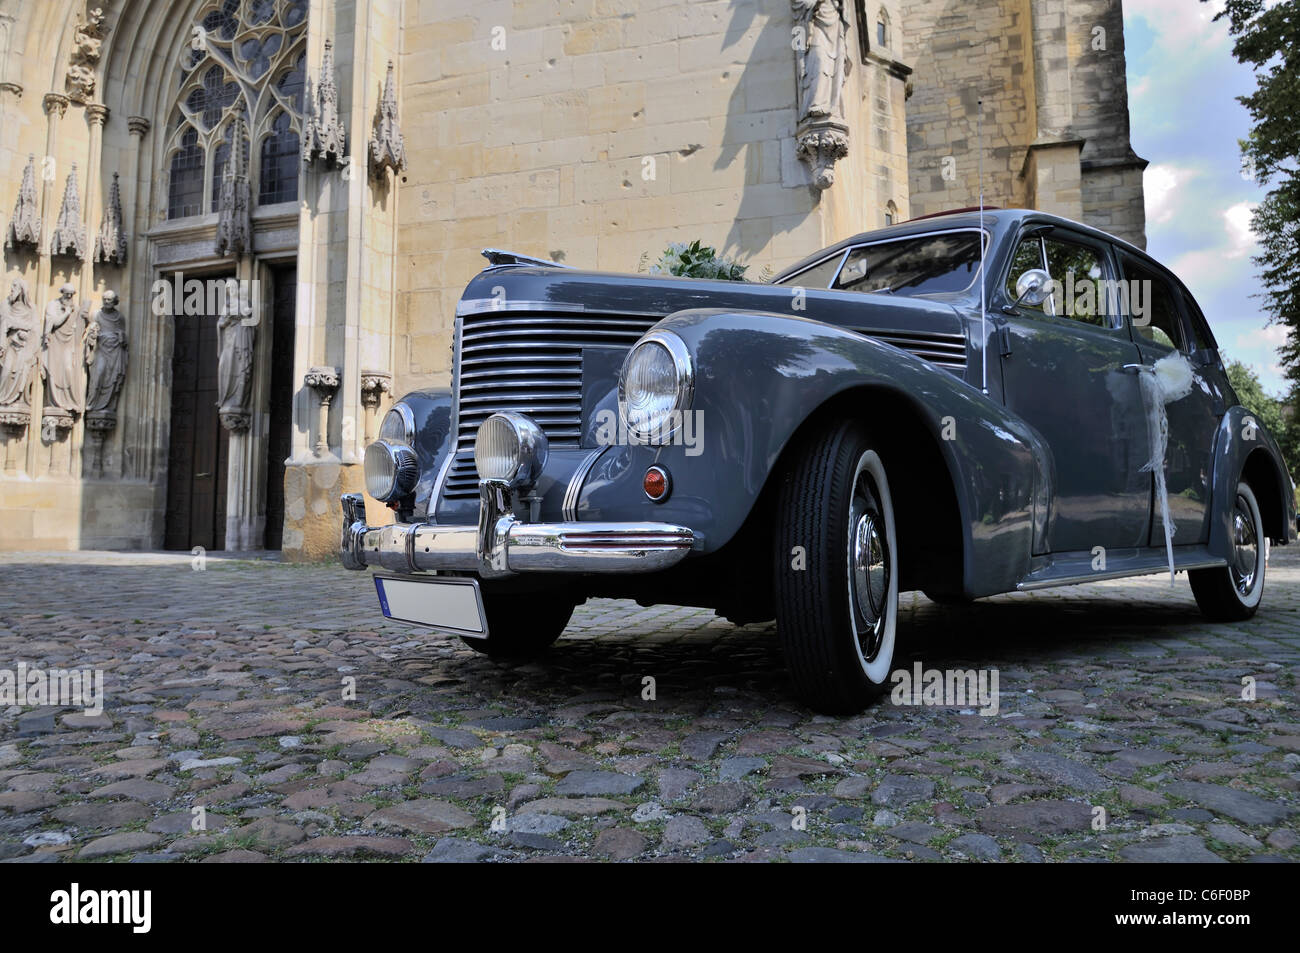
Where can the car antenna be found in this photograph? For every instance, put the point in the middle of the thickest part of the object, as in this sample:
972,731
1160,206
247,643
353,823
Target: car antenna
984,337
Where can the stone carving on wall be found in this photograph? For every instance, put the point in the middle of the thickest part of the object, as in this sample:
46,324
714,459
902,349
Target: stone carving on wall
69,235
20,343
64,356
107,355
387,148
87,48
25,226
110,243
235,365
235,226
324,381
323,136
821,65
374,385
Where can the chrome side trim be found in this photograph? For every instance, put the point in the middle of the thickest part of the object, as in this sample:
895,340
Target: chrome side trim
483,305
453,435
480,305
573,493
1052,583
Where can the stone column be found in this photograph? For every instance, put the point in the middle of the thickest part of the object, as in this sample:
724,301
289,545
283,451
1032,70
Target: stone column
137,425
325,382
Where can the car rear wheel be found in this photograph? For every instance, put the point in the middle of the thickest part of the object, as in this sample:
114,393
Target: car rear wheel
1232,593
836,572
521,626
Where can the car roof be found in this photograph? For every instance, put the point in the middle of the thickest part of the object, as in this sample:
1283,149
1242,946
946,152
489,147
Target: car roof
995,219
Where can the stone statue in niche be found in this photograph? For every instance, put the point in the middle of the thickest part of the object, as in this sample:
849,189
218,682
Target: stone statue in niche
235,365
64,354
823,61
821,65
19,350
106,349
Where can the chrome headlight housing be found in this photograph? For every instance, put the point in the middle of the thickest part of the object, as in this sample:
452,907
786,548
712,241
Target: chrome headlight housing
656,386
511,448
399,425
391,470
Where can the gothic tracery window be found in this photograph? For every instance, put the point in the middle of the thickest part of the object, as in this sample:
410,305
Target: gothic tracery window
278,180
244,57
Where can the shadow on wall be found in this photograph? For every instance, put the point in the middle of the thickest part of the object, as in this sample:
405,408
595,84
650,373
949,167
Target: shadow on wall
761,137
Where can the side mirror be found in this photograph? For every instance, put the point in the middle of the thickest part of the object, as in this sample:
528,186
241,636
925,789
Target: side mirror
1033,287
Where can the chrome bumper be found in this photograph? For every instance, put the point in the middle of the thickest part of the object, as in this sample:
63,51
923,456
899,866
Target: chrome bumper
501,545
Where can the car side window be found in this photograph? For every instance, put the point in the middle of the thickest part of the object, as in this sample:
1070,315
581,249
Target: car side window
1079,273
1200,330
818,276
1152,306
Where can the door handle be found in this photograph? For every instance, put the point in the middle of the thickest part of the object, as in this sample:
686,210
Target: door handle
200,476
1134,367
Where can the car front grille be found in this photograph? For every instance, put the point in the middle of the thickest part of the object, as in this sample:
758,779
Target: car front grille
530,363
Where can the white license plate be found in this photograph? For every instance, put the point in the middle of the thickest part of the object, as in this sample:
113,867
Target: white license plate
449,603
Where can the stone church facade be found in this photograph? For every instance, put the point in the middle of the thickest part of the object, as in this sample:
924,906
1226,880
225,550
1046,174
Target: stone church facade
236,229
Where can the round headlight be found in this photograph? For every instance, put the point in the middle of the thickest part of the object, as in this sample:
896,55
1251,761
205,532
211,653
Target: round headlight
398,425
512,448
391,470
656,386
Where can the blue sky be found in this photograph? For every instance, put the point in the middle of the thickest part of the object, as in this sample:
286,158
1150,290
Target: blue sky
1185,119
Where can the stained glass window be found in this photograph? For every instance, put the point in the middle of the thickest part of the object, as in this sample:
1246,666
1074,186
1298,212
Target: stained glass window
280,162
236,49
185,185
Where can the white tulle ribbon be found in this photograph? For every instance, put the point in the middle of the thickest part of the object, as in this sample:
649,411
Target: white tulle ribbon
1171,378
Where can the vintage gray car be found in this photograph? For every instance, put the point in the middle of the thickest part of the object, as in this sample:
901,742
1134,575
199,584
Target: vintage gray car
967,404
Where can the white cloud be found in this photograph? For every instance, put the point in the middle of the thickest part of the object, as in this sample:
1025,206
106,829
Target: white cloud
1236,219
1161,183
1180,24
1272,336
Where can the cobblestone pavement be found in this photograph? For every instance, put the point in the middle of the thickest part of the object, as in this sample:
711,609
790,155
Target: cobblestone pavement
1121,734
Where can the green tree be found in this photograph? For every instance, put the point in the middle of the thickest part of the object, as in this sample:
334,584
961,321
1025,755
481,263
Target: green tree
1277,418
1266,37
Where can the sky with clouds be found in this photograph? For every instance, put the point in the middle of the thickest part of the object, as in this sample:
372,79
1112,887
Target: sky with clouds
1185,119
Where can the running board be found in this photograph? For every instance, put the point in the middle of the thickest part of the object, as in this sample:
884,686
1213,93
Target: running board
1073,569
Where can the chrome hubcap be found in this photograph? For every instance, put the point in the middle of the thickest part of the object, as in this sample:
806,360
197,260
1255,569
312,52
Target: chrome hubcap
869,567
1245,548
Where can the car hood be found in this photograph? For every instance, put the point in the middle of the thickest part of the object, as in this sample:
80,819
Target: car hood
533,288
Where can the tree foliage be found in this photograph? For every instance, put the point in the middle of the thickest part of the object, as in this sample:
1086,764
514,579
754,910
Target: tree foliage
1266,37
1278,418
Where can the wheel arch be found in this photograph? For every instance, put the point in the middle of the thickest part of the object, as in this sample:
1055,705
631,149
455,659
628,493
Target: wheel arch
1245,450
927,511
1261,475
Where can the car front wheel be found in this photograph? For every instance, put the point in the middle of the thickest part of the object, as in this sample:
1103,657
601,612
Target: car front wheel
1232,593
836,572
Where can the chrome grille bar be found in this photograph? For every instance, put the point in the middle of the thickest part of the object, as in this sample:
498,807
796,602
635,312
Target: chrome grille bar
530,363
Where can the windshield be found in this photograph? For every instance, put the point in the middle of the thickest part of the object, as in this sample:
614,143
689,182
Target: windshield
920,265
